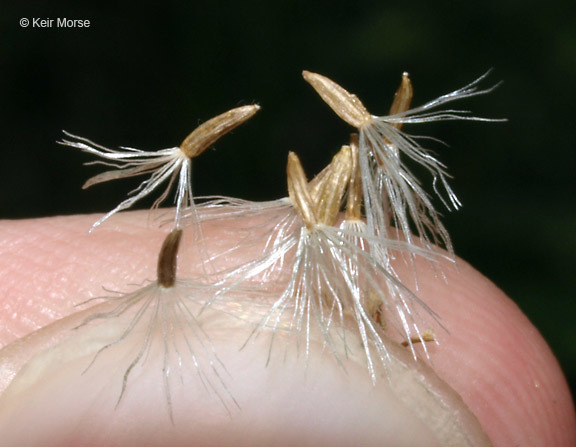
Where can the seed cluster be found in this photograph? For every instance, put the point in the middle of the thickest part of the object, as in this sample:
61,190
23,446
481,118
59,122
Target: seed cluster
329,252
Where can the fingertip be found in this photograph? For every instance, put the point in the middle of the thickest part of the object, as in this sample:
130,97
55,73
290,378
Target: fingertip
497,360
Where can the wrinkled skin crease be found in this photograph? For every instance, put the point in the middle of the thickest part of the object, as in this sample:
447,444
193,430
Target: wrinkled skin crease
489,354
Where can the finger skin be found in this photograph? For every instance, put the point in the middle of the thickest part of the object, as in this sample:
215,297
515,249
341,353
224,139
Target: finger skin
490,353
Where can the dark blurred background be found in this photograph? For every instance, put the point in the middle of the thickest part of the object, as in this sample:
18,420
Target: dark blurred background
146,76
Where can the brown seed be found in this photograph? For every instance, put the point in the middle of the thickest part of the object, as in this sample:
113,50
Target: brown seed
207,133
354,203
426,336
298,191
346,105
168,259
402,98
333,188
